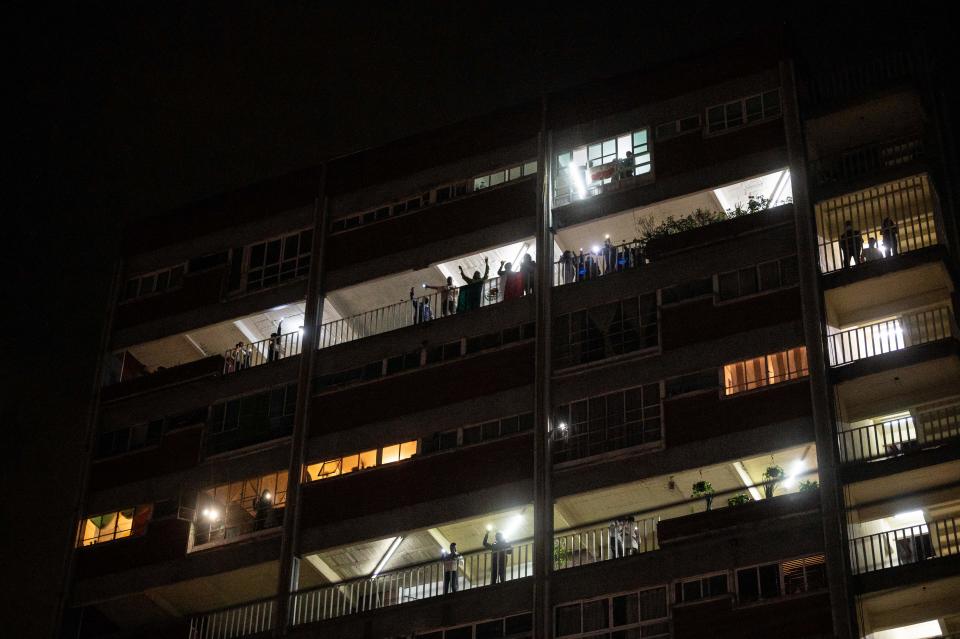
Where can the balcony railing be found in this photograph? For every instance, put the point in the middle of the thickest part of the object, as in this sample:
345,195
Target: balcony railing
898,216
265,351
867,159
413,583
620,538
425,307
890,335
898,436
905,546
579,267
237,621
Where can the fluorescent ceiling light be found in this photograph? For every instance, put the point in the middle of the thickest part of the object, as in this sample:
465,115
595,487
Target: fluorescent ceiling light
383,562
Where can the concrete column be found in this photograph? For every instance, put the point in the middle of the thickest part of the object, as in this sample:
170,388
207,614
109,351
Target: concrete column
313,318
831,491
542,495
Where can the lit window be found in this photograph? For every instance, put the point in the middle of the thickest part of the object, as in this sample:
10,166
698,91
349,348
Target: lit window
397,452
131,522
586,171
241,507
760,371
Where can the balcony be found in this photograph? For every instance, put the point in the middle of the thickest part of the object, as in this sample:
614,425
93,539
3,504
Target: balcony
927,428
905,546
896,218
861,77
879,338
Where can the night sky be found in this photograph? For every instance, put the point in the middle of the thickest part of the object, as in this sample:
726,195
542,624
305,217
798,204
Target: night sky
124,110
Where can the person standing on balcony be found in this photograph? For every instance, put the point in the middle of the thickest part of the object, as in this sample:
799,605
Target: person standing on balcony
872,253
274,347
499,550
627,165
448,297
609,252
451,568
851,244
421,308
511,281
262,506
472,293
529,271
890,234
616,538
568,267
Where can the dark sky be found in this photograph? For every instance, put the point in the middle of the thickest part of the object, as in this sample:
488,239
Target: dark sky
127,109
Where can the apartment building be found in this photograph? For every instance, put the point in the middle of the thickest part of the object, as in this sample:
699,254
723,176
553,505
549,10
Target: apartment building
696,373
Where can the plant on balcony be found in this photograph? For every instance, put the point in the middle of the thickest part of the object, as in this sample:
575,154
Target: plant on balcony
739,498
703,489
648,230
772,476
561,554
807,485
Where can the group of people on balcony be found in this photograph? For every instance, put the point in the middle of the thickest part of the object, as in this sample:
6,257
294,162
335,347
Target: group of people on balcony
241,356
454,299
607,259
852,249
452,561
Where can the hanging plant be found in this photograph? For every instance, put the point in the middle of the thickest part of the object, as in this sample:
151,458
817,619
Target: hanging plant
703,489
772,476
807,485
739,498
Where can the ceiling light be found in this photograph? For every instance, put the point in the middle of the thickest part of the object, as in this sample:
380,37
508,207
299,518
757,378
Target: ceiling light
387,556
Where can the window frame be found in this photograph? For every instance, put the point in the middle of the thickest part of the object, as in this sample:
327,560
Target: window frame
701,579
170,270
301,261
676,127
766,115
560,197
720,300
132,532
610,627
768,379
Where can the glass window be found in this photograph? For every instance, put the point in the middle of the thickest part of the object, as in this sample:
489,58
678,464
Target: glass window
567,620
590,169
408,449
625,609
768,369
279,260
130,522
390,454
490,629
595,615
758,582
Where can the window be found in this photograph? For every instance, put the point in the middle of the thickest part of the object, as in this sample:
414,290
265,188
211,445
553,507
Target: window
130,522
687,291
674,128
762,277
251,419
732,115
609,422
151,283
605,331
230,510
589,170
360,461
637,614
760,371
758,582
804,575
279,260
476,433
504,175
692,383
699,588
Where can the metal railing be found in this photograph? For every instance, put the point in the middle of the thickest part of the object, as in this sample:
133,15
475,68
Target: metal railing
424,307
604,260
236,621
888,336
898,436
423,581
620,538
263,352
866,159
904,546
898,217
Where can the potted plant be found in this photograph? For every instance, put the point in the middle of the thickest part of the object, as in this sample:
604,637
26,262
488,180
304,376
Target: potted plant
739,498
772,476
704,489
807,485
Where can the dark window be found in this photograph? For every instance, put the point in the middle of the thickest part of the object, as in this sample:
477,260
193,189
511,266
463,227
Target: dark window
472,435
605,331
748,281
518,623
625,610
789,271
279,260
700,588
687,290
759,582
483,342
595,615
729,285
769,275
448,440
463,632
207,262
567,620
451,350
490,629
692,382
